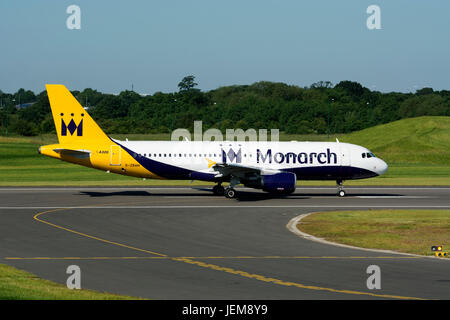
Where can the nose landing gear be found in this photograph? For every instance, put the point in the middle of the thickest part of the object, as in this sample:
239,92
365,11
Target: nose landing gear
341,192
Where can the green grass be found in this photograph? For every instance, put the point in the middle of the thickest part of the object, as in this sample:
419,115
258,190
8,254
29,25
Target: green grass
422,140
16,284
409,231
417,151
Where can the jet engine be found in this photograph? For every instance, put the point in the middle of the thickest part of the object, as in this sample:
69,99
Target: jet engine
283,182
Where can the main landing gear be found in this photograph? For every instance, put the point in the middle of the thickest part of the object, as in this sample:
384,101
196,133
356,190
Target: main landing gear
218,190
229,192
341,192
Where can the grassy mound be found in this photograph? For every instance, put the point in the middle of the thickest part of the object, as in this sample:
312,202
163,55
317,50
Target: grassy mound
422,140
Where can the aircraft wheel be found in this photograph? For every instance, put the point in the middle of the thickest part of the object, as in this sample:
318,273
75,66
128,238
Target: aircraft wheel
341,193
230,193
218,190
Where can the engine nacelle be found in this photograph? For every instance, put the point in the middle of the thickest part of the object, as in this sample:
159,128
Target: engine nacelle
283,182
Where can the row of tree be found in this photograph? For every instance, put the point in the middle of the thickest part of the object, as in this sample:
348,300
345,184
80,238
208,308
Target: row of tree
320,108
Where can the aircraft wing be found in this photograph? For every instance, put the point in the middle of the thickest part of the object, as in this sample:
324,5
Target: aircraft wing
81,154
238,170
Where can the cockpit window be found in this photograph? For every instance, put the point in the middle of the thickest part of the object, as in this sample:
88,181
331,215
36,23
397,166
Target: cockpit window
368,155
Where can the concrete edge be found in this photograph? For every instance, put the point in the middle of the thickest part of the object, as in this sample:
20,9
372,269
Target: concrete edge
292,226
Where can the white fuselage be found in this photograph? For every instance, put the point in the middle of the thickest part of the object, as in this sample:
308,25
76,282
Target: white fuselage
308,160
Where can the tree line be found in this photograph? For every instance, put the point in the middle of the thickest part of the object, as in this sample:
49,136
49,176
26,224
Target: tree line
320,108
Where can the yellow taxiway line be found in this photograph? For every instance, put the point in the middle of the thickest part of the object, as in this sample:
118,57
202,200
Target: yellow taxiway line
210,257
216,267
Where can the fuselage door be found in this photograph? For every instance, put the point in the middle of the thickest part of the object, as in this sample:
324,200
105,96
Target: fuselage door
115,156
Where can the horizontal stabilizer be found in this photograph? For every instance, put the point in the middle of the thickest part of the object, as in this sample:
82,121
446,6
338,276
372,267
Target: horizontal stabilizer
80,154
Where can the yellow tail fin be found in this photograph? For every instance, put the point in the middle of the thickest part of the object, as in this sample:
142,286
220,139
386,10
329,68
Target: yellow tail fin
73,124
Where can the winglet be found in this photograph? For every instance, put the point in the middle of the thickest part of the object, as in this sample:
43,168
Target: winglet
210,162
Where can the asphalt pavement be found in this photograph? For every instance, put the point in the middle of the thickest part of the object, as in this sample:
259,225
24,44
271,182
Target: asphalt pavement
186,243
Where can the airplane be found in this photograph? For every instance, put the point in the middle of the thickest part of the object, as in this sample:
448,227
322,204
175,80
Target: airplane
274,167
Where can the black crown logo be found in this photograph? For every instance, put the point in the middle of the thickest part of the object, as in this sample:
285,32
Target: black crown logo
72,127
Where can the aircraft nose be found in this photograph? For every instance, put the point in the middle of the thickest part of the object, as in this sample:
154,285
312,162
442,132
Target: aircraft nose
382,167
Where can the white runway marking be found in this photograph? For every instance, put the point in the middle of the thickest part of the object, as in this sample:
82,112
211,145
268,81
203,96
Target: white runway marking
392,197
215,207
184,197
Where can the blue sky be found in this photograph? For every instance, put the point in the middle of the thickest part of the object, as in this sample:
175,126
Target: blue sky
154,44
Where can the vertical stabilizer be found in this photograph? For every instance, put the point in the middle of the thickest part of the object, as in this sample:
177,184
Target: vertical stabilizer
73,124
